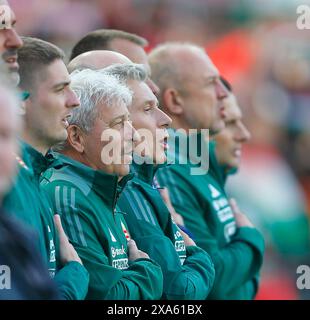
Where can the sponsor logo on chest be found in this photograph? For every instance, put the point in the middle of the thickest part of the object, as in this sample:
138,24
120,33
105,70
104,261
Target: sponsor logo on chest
179,245
223,211
118,254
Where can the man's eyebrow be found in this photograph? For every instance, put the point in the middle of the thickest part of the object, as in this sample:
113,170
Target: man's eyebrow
151,102
123,117
61,84
214,77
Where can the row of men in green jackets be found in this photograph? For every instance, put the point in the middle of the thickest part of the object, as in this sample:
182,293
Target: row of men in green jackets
91,146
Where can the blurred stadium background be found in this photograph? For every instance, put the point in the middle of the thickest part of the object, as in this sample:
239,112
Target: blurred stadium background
257,46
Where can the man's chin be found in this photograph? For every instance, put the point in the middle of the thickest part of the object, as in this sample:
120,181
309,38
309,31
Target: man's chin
234,164
123,170
62,137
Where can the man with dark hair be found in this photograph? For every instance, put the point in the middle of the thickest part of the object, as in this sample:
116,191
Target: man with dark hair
22,269
129,44
192,93
44,75
18,252
229,141
103,40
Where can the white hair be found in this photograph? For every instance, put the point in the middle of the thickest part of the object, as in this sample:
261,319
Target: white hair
93,87
126,71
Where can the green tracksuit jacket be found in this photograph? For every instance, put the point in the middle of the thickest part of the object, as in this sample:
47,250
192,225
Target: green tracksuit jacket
188,272
86,199
237,253
31,205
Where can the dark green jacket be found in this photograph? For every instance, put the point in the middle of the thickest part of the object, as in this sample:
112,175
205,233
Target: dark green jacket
86,199
31,205
188,272
201,200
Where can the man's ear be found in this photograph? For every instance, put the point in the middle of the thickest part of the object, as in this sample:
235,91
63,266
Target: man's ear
25,103
76,138
173,101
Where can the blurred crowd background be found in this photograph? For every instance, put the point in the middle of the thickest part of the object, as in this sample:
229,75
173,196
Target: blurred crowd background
257,46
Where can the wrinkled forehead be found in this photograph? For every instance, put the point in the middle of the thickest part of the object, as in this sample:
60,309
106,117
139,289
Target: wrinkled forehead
51,75
206,65
196,63
109,114
142,92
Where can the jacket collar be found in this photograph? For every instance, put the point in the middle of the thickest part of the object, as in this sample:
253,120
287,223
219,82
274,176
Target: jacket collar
105,185
35,161
145,171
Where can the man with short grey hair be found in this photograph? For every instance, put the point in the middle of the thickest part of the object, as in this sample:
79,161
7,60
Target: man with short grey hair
84,183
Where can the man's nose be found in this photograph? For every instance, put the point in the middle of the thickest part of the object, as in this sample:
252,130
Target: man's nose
244,134
13,40
73,100
163,119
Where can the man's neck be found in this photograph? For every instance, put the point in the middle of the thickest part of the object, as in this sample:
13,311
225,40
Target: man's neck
74,155
71,153
35,143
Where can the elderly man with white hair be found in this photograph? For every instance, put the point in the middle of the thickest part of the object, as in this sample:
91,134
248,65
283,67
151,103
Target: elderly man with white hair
84,183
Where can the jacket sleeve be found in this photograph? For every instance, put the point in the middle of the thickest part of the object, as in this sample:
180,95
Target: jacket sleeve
235,264
141,281
192,280
72,281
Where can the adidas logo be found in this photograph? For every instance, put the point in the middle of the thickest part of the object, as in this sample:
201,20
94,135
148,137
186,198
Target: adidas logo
112,237
214,192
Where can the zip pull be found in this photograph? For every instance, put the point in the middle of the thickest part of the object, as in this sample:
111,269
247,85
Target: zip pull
121,212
